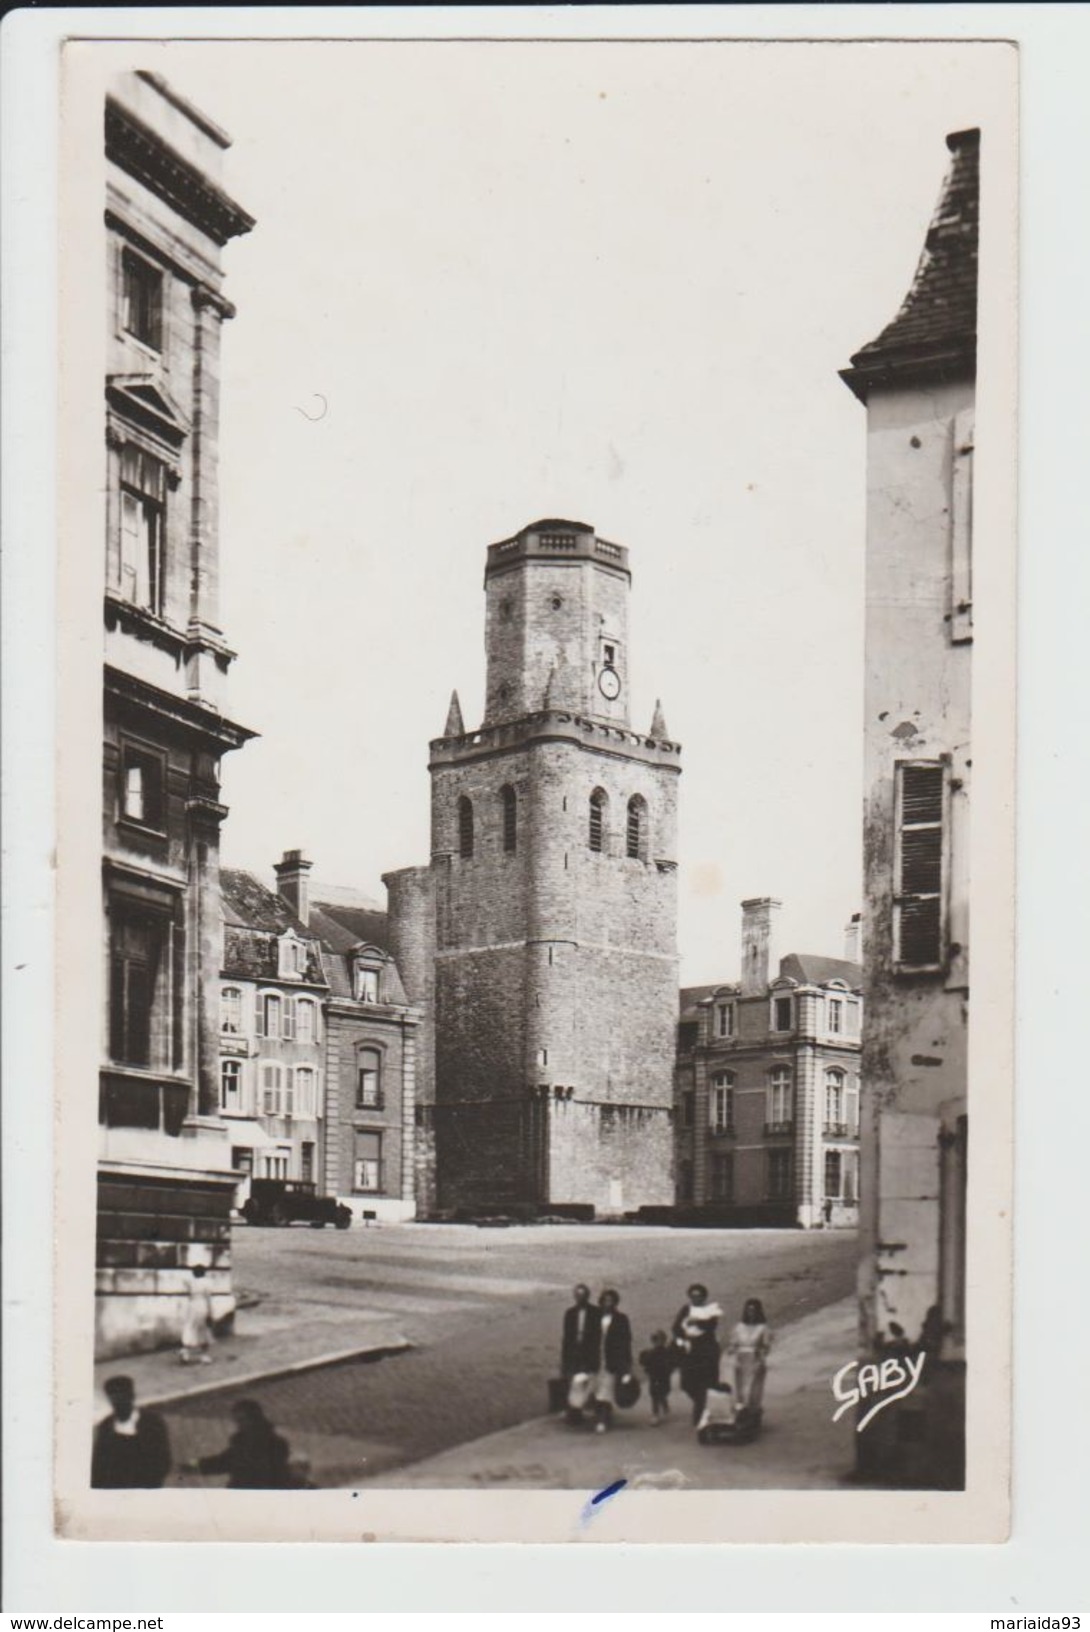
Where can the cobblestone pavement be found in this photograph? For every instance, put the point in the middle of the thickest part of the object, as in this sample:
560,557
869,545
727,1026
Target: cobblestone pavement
482,1308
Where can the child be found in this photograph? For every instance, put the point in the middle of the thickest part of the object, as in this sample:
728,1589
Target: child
658,1362
197,1325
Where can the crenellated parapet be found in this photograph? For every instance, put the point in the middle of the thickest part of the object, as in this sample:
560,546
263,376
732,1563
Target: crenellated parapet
553,725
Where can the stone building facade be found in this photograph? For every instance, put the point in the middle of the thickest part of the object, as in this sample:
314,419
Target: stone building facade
165,1183
917,382
272,1036
541,939
371,1058
767,1086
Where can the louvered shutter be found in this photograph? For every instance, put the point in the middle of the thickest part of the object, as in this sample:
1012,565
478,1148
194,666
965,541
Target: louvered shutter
918,907
259,1015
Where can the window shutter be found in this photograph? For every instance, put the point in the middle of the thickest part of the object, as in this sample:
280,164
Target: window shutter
289,1018
259,1015
918,903
289,1093
961,530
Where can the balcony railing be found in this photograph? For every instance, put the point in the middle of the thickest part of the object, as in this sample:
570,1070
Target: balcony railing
374,1102
840,1130
775,1130
722,1130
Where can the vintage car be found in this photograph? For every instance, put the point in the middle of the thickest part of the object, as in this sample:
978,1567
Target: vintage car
291,1201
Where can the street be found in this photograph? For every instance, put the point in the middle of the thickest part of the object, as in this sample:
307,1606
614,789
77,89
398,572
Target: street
482,1308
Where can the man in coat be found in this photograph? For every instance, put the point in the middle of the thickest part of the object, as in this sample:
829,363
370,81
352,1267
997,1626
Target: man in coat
579,1344
132,1448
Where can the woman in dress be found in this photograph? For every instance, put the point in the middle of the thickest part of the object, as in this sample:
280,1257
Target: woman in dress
748,1346
197,1322
697,1346
614,1357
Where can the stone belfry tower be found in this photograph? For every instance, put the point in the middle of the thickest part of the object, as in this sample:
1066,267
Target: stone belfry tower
553,896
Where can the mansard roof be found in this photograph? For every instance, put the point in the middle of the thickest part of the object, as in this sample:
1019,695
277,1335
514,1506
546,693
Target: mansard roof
810,970
933,335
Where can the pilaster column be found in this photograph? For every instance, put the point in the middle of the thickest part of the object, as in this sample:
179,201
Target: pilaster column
204,814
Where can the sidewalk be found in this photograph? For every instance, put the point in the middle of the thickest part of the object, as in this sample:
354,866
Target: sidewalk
272,1337
799,1448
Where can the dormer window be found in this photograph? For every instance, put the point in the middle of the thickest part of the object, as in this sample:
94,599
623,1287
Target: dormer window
293,958
366,984
781,1014
724,1019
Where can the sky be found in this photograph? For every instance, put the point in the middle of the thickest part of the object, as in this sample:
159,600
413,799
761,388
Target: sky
492,282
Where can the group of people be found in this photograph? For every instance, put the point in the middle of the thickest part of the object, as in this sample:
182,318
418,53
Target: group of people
596,1360
132,1448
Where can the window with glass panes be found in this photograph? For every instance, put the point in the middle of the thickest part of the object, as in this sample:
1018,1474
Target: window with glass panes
231,1010
722,1176
230,1085
367,1168
369,1078
779,1108
836,1115
143,300
721,1102
779,1175
143,514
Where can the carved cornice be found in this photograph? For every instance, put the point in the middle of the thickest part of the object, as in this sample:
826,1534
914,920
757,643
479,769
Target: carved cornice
144,155
204,725
205,299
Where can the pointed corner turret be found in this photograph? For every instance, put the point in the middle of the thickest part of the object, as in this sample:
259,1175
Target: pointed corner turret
455,726
658,723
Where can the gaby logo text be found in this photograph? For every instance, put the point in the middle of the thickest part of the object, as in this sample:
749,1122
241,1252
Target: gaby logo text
854,1384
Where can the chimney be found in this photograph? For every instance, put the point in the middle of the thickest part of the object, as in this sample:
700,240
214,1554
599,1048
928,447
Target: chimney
291,883
758,955
853,939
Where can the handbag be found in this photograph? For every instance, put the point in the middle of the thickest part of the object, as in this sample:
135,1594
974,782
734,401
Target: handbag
626,1391
558,1393
580,1390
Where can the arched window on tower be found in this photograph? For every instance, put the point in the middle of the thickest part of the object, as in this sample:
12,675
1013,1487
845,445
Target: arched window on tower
510,819
596,837
465,827
636,829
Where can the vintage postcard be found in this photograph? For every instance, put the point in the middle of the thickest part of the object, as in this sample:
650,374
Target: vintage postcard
537,746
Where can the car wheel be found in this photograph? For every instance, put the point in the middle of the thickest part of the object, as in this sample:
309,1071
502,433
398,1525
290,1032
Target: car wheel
279,1215
344,1217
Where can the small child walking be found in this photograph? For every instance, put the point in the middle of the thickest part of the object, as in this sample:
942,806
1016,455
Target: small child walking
197,1325
659,1362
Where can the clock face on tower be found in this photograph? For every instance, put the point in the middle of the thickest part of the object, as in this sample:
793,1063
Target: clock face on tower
609,683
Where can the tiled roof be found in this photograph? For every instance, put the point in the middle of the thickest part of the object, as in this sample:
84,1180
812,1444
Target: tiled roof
692,996
810,970
253,917
341,930
934,333
252,905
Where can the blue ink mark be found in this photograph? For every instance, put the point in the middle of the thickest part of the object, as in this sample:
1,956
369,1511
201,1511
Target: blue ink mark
595,1503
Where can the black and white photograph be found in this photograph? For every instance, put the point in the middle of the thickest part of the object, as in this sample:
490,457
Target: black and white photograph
541,573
